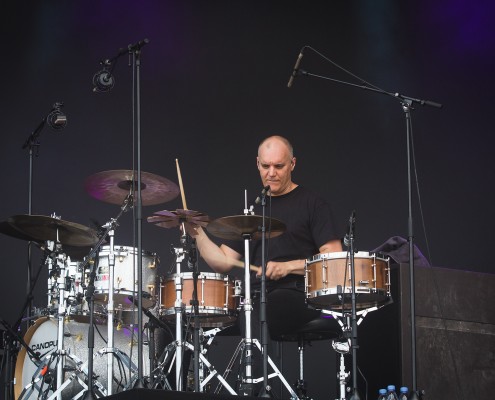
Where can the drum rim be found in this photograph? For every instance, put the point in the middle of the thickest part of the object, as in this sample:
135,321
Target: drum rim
189,275
106,249
338,255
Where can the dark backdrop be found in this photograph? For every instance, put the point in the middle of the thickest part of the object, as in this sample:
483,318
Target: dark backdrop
214,79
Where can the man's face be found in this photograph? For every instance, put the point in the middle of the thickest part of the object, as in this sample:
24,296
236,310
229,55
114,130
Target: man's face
275,165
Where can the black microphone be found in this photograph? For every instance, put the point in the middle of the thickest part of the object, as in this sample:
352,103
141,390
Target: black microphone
193,256
103,81
57,119
264,192
138,45
350,229
296,68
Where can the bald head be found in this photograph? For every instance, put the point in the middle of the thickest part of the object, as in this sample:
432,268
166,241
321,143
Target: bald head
275,163
276,140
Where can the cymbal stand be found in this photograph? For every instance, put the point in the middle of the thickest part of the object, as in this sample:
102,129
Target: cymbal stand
127,204
245,346
58,261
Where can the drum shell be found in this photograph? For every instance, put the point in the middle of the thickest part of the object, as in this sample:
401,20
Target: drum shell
125,276
328,275
217,303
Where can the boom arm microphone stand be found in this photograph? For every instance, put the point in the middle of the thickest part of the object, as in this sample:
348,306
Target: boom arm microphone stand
406,104
103,81
57,120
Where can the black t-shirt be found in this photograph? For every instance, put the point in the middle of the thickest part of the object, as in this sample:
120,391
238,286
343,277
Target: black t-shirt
309,224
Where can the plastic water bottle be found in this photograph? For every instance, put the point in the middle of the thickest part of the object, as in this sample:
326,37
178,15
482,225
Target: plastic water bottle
382,394
391,394
403,392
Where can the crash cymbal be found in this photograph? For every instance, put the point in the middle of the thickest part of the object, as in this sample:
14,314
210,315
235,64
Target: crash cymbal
114,186
237,226
172,219
39,228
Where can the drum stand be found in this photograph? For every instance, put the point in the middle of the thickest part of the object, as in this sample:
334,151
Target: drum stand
175,350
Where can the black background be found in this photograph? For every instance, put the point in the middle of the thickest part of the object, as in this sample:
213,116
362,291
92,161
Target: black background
214,84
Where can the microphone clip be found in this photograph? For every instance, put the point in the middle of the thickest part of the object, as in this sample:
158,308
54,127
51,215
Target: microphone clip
266,191
56,118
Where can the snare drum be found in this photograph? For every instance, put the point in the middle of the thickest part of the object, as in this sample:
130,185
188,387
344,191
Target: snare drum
125,276
42,339
217,303
328,277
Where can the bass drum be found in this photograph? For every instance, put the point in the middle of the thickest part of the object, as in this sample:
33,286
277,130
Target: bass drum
42,339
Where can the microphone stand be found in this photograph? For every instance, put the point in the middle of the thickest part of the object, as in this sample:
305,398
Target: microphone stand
31,143
265,392
136,52
353,333
193,260
406,104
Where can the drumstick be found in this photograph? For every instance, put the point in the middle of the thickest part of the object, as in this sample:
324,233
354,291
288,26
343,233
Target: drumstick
184,205
240,264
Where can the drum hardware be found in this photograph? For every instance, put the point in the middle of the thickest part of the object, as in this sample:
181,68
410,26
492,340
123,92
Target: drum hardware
205,311
109,231
247,227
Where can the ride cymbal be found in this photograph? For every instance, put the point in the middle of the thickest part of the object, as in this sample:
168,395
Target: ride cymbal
172,219
236,227
40,228
114,186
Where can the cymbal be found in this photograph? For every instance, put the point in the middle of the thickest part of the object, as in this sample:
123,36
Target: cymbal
39,228
172,219
9,230
237,226
114,186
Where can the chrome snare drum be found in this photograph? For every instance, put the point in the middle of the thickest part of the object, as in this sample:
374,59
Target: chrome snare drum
125,276
328,277
217,303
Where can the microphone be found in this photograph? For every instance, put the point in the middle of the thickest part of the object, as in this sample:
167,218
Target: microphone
138,45
296,68
103,81
57,119
193,255
350,229
264,192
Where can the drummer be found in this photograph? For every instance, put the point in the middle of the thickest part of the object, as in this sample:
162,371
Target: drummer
310,229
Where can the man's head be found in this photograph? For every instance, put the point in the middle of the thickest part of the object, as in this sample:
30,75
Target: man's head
275,162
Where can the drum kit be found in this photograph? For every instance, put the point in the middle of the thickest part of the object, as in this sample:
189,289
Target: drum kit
92,283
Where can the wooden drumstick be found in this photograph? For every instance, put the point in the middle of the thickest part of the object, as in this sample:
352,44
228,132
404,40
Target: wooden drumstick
184,205
240,264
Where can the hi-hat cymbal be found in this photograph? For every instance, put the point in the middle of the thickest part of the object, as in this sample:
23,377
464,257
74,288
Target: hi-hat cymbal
172,219
114,186
39,228
236,227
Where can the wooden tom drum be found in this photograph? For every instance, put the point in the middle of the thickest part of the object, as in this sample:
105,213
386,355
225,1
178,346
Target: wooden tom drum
328,280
